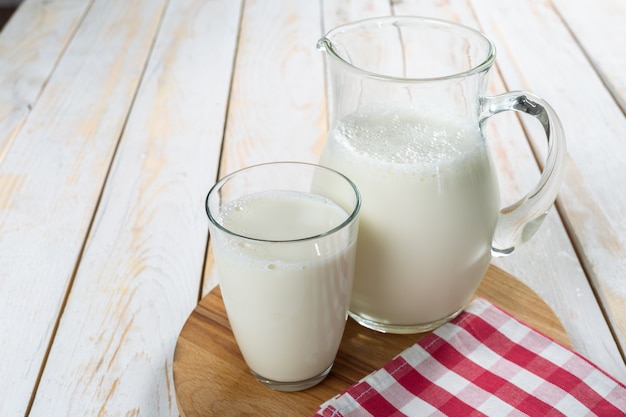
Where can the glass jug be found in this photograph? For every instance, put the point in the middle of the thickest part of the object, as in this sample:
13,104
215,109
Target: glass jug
407,106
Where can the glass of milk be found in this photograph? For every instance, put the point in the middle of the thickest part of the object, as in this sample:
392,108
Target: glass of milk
284,238
407,107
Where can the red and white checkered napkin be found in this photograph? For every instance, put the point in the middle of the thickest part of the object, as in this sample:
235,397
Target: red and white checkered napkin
483,363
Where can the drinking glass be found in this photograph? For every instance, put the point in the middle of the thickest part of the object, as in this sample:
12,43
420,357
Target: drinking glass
284,240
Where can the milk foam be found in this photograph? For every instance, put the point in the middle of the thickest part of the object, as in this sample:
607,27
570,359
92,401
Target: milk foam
406,137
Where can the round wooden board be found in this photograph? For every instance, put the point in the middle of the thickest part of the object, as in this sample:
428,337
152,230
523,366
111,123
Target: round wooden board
212,379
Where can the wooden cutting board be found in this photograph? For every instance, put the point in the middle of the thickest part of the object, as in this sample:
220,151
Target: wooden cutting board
212,379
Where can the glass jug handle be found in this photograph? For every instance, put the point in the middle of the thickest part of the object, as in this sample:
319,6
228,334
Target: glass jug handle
518,222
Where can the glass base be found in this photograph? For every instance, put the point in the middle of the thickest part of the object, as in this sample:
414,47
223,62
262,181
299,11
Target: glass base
292,386
403,329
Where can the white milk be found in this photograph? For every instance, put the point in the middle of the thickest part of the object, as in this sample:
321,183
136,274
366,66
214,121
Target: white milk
287,302
429,209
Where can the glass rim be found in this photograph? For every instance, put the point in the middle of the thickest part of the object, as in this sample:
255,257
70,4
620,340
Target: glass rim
349,217
326,44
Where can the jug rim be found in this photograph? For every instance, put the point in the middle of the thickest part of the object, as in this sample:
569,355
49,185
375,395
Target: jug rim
326,44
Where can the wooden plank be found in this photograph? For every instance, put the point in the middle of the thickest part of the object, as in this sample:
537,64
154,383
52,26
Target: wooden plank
141,270
30,46
591,200
60,160
598,26
276,109
339,12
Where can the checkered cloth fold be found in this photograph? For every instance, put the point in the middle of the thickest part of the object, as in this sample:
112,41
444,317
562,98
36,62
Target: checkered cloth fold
483,363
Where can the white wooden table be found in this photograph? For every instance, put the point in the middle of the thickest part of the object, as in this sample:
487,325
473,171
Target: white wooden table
117,116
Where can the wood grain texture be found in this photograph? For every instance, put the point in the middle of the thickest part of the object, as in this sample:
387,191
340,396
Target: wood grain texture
590,204
276,108
339,12
141,270
277,101
30,46
600,30
598,26
211,378
59,160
